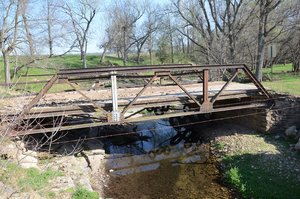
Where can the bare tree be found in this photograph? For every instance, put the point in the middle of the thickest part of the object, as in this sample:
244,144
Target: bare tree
124,16
271,17
290,42
106,44
265,9
195,14
148,27
9,26
23,9
81,15
49,27
54,29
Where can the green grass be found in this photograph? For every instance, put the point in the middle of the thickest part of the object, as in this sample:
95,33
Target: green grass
82,193
26,179
219,146
36,180
234,177
253,177
285,84
279,68
282,79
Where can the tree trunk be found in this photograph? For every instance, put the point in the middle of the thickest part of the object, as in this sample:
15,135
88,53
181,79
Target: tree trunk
139,55
150,56
49,30
188,41
28,35
50,40
103,55
231,51
125,58
172,48
6,68
260,58
260,48
81,54
84,60
296,64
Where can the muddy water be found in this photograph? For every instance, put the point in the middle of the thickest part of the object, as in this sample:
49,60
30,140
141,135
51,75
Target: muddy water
163,163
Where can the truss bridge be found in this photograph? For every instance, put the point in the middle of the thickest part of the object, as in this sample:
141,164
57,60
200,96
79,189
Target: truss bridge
126,94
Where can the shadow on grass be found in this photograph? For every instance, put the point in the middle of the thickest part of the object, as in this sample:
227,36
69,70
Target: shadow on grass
259,176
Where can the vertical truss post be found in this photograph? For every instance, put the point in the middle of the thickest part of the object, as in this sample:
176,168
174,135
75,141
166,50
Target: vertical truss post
115,117
206,104
205,86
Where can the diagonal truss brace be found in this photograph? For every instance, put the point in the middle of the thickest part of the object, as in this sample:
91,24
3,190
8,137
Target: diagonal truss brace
139,94
184,90
215,98
74,86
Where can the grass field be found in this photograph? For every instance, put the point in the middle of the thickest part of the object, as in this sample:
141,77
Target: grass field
282,79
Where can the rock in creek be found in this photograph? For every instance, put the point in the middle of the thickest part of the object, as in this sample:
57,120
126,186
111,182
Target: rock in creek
291,131
297,146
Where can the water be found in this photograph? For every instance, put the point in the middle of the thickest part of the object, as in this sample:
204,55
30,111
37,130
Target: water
162,162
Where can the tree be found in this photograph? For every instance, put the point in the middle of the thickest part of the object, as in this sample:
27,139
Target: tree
81,15
163,46
9,27
107,43
265,9
214,26
195,14
148,27
23,10
230,18
124,16
290,42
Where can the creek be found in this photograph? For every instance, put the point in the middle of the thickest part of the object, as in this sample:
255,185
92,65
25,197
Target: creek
162,162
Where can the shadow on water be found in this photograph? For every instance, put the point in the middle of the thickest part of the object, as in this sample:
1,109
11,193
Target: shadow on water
165,162
158,159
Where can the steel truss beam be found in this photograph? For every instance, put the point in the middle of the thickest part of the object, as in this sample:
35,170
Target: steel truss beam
202,104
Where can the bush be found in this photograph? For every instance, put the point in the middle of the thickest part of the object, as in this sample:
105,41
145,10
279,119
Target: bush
234,178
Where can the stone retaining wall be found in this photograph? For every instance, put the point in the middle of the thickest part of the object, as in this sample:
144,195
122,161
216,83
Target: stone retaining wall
285,113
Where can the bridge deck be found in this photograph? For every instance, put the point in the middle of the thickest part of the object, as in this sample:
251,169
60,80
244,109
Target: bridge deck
54,101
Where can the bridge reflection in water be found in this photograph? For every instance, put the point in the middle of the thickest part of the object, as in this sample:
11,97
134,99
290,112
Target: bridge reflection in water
162,163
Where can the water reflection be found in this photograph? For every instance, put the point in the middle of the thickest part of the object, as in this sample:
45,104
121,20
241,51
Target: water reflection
162,162
156,141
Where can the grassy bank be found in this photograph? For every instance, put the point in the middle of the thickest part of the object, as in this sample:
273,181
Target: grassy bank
256,177
282,80
259,166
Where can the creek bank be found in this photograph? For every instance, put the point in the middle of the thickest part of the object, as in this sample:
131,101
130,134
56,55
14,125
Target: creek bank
91,163
85,169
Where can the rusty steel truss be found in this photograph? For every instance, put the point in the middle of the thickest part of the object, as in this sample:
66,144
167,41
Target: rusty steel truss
113,111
